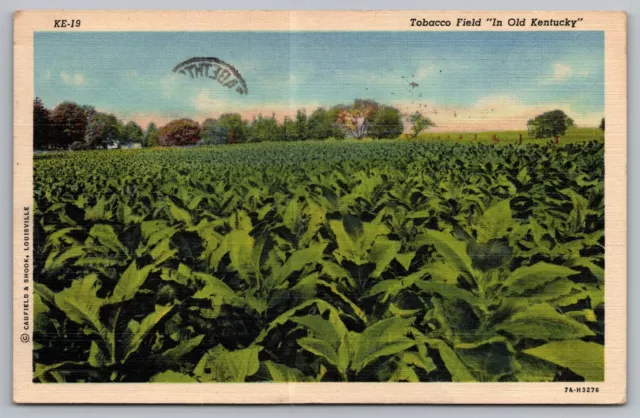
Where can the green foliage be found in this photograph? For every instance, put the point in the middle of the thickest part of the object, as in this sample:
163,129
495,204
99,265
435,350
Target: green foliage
419,123
179,132
212,133
387,123
68,124
322,125
321,261
264,129
132,132
102,130
41,125
553,123
151,136
368,118
237,128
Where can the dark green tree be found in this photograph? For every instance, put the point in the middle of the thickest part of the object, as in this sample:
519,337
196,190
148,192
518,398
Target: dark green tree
386,123
419,123
41,125
150,136
549,124
69,123
301,126
264,129
133,132
602,125
322,124
237,128
212,133
102,130
288,130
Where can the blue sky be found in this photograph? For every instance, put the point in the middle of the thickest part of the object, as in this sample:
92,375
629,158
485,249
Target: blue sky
465,80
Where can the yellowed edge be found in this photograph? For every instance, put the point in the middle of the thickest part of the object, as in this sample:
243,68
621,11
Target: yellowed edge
612,391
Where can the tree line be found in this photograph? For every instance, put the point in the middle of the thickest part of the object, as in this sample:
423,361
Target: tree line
73,126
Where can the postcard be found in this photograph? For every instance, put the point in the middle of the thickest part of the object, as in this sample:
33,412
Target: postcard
261,207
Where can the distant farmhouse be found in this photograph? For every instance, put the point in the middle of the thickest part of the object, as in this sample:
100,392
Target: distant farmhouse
128,145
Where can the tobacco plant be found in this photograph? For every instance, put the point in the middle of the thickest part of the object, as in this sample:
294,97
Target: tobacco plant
321,261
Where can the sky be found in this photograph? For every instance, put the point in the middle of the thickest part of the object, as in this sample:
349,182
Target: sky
463,81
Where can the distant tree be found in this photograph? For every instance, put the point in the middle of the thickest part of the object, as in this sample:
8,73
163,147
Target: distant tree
356,119
322,124
133,132
212,133
419,123
386,123
602,125
150,136
69,122
102,130
301,126
264,129
288,130
237,128
41,125
553,123
179,132
570,122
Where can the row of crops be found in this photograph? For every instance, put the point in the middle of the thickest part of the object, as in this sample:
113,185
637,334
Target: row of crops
321,261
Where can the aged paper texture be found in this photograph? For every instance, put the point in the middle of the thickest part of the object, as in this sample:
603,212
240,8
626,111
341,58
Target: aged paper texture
319,207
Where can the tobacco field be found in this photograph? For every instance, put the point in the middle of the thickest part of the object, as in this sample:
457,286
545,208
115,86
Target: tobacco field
381,261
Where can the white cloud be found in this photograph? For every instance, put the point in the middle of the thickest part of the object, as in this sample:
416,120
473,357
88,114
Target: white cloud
72,79
207,101
561,71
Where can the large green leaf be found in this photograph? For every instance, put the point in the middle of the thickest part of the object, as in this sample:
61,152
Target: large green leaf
240,245
543,322
155,231
447,291
329,338
583,358
381,253
55,261
494,222
222,365
178,213
107,237
457,369
489,255
452,250
442,272
346,244
183,348
384,338
299,259
324,349
81,304
530,277
129,283
490,359
138,331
